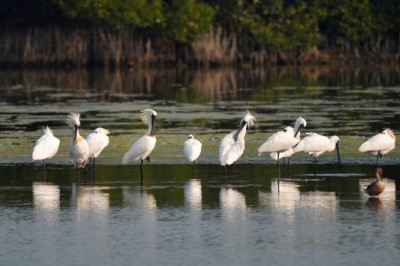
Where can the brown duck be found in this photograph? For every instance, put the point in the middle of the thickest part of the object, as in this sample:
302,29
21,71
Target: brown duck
377,187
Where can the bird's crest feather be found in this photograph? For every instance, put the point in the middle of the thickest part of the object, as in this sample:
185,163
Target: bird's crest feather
73,119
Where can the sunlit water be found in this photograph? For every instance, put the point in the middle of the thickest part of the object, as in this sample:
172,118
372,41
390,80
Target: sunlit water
180,217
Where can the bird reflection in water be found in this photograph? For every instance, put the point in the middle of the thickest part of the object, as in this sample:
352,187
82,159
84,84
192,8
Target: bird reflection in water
193,195
233,204
46,201
376,203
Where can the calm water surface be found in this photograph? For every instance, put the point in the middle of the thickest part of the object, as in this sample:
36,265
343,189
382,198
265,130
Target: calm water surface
248,216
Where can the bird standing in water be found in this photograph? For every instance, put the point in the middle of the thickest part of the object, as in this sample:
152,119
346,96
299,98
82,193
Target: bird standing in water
78,147
192,149
282,141
97,141
233,144
315,145
377,187
142,148
379,144
45,147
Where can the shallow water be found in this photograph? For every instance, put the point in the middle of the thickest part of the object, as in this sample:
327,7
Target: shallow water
247,216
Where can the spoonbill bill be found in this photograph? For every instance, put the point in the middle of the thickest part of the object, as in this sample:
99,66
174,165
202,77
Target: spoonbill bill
192,148
315,145
379,144
232,145
78,147
282,142
45,147
142,148
97,141
377,187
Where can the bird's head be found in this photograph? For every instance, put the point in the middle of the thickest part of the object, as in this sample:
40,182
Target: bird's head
248,120
102,130
379,172
190,136
300,123
73,120
47,131
148,116
390,133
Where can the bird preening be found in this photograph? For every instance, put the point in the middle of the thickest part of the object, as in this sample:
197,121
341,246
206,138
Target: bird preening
232,145
142,148
192,149
45,147
97,141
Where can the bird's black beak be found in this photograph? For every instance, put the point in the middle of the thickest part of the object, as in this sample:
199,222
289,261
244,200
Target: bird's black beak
338,154
75,133
153,118
298,130
242,125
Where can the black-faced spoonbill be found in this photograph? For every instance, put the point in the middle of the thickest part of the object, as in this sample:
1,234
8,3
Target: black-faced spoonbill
192,149
45,147
78,147
379,144
315,145
97,141
232,145
283,141
377,187
142,148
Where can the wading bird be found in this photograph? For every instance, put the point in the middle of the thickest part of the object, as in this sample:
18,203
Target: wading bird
142,148
283,141
232,145
192,148
377,187
315,145
379,144
78,147
45,147
97,141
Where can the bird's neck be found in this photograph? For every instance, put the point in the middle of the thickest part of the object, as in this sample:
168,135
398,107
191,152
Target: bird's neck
240,133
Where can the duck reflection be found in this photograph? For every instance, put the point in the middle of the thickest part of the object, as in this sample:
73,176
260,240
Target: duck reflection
46,196
192,192
233,204
375,203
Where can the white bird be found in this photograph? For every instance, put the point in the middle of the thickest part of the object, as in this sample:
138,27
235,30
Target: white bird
379,144
46,146
192,148
232,145
78,147
315,145
97,141
142,148
280,144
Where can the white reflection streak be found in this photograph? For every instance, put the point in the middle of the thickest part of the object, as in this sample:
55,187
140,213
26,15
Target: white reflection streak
233,204
140,198
284,195
192,192
91,200
46,196
320,201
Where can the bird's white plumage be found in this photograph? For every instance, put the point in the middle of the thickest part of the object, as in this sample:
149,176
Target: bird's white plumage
315,144
279,142
282,141
232,145
46,146
140,150
381,143
78,147
73,119
97,141
192,148
143,147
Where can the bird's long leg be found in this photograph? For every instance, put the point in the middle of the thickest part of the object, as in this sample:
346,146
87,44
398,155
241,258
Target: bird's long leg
284,167
288,165
141,172
79,176
94,169
194,162
279,169
44,167
90,161
315,167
